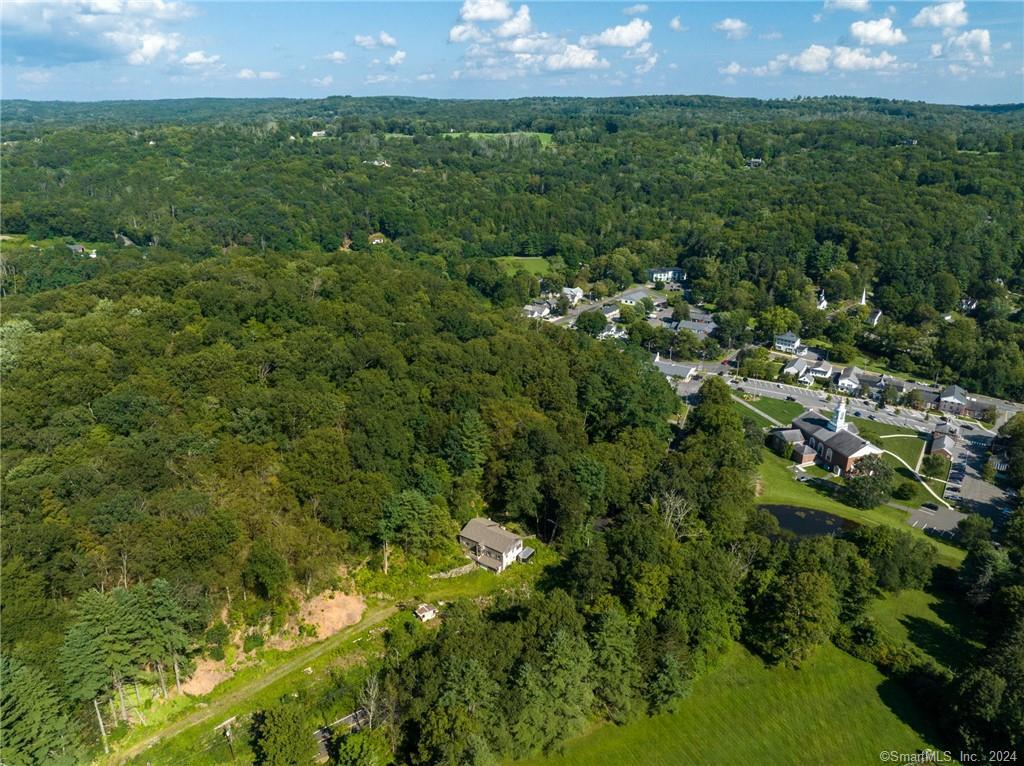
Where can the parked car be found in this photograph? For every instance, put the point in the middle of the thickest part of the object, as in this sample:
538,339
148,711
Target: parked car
790,398
872,417
967,427
930,506
856,413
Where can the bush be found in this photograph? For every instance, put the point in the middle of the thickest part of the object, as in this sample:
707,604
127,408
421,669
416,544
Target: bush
935,465
904,491
252,641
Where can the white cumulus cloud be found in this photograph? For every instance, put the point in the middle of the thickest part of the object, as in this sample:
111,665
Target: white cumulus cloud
848,5
818,59
813,59
972,46
199,58
466,33
372,41
676,25
735,29
519,24
252,74
945,15
623,36
396,58
877,32
859,59
485,10
73,31
337,57
574,57
633,10
323,82
732,69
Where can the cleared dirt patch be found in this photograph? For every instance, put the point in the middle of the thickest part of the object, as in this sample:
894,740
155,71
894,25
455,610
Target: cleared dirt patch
330,612
208,674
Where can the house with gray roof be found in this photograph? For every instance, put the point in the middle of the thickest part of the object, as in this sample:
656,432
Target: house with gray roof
491,545
800,370
942,444
788,342
953,399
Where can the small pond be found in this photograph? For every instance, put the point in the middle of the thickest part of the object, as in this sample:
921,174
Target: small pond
807,522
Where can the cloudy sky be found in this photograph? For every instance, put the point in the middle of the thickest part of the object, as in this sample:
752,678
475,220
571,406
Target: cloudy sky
950,52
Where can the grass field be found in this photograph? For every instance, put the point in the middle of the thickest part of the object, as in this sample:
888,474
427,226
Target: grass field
834,710
544,138
907,447
779,409
779,488
533,265
746,412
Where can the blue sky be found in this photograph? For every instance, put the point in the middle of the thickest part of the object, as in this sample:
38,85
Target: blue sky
950,52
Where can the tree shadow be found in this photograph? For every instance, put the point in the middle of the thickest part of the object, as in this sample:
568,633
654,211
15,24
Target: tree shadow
910,710
942,642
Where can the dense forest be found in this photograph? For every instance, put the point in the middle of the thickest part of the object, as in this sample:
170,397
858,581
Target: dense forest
205,420
920,205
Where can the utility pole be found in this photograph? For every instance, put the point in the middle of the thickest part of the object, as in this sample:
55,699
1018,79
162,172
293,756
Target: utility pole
226,725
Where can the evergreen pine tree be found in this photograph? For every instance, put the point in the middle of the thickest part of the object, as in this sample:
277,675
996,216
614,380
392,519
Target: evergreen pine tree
33,728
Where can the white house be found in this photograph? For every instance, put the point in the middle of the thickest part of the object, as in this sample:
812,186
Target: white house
849,380
574,294
634,297
821,370
491,545
536,310
319,133
822,302
953,399
672,370
666,274
788,342
425,613
799,370
611,313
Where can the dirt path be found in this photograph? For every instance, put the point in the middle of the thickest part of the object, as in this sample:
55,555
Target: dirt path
215,709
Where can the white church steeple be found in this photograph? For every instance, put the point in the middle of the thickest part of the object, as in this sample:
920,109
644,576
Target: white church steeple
838,421
864,297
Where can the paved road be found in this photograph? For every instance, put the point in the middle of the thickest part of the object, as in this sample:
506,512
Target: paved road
810,398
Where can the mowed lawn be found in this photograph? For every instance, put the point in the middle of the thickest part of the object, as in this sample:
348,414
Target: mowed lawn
779,487
746,412
780,409
835,710
544,138
531,264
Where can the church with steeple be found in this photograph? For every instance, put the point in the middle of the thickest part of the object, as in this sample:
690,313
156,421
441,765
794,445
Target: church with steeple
831,442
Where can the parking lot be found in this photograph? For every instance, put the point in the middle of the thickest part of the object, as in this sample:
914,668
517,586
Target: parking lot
965,485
